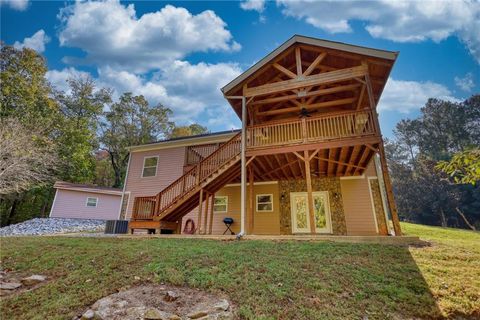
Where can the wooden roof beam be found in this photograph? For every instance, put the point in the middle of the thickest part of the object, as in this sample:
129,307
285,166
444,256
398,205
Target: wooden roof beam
315,63
298,60
339,162
284,70
315,93
306,81
314,106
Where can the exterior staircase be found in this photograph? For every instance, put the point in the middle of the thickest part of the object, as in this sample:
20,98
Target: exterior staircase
163,210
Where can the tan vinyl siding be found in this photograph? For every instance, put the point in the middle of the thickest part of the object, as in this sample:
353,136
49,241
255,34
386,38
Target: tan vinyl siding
233,194
267,222
357,203
169,168
264,222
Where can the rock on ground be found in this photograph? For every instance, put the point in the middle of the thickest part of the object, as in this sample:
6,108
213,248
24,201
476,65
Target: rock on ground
148,302
32,280
42,226
10,285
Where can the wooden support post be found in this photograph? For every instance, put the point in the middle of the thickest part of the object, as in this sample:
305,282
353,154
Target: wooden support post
389,191
207,202
212,201
250,200
157,204
383,160
199,218
309,192
135,209
179,226
304,130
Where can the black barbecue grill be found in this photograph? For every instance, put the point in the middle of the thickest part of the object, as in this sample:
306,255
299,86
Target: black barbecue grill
228,222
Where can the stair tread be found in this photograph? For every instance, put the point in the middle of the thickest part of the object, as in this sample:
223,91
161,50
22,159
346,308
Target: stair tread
185,196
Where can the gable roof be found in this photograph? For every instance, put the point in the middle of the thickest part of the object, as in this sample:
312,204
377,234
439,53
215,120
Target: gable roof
87,188
198,139
340,46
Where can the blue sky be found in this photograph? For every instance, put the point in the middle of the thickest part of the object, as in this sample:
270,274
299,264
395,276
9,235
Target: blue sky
181,53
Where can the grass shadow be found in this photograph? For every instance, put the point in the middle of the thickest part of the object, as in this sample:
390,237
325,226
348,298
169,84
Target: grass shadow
264,279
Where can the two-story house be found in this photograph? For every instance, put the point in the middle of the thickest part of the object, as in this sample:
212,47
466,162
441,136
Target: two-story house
309,158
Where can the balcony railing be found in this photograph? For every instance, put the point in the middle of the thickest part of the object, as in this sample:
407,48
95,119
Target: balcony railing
196,154
143,208
311,130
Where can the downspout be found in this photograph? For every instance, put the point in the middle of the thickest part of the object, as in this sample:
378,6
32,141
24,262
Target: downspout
123,191
243,148
243,167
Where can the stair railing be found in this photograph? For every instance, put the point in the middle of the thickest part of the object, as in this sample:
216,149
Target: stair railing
195,176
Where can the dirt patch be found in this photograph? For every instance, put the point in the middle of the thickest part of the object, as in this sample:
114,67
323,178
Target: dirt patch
421,244
160,302
12,283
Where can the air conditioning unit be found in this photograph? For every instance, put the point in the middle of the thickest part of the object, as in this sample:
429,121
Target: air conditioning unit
116,226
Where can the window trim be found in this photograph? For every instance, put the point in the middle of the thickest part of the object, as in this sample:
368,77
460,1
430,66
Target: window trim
226,204
96,202
143,167
262,195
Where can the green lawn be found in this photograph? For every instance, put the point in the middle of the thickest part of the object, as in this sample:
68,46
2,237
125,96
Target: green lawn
264,279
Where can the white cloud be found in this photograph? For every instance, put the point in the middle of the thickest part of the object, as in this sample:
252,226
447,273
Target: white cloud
58,78
192,91
196,87
466,83
400,21
19,5
112,34
36,42
407,96
255,5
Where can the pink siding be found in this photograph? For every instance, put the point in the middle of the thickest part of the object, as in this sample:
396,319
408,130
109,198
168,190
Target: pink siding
72,204
169,168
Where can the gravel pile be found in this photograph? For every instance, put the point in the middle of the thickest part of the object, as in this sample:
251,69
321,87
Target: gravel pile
40,226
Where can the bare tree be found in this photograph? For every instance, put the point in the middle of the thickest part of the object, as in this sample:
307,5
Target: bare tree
27,159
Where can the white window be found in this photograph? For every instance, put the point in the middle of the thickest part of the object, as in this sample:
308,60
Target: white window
220,204
264,202
92,202
149,167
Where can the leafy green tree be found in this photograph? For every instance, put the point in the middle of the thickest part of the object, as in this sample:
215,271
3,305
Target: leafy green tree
81,107
422,192
25,93
447,127
190,130
26,98
131,121
463,167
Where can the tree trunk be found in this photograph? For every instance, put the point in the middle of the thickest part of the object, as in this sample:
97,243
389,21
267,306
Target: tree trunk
44,209
11,214
443,219
118,180
116,170
465,219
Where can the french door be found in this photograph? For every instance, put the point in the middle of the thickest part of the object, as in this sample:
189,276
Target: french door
300,214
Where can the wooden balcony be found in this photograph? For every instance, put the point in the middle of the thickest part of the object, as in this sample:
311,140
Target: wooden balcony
329,129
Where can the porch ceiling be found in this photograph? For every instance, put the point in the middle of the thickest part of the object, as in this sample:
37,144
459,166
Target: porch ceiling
331,162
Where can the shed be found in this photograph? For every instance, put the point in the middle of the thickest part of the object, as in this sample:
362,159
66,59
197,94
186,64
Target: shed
82,201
